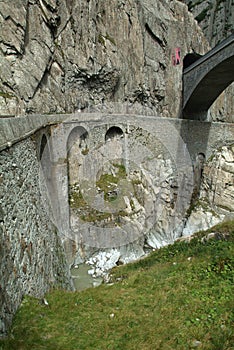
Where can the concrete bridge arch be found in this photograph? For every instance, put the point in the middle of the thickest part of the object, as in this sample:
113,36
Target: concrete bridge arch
206,78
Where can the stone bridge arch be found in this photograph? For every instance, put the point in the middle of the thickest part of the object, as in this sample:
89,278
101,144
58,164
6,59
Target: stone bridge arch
206,78
114,132
77,146
45,162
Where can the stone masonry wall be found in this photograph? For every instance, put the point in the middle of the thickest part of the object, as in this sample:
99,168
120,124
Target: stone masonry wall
32,259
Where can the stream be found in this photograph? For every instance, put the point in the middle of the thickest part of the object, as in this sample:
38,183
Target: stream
82,279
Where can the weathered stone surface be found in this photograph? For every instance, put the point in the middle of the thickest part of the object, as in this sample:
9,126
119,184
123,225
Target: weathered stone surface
127,195
201,220
216,198
31,254
62,56
218,179
215,17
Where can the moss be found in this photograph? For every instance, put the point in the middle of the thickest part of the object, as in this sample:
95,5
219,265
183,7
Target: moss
110,38
108,182
198,203
6,95
132,205
76,199
94,216
87,213
101,39
85,151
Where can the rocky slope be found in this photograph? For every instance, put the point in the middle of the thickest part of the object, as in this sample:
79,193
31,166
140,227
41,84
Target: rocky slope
61,56
215,201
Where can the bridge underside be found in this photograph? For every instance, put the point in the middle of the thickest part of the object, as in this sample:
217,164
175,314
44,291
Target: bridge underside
206,78
209,88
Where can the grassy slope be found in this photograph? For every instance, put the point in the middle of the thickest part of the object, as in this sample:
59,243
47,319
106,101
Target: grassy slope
180,297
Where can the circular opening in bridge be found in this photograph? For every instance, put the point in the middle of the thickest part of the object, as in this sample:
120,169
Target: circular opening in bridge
190,58
77,150
113,132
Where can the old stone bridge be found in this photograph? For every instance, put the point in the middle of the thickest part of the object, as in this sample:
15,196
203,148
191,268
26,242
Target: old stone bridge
199,136
32,255
206,78
182,139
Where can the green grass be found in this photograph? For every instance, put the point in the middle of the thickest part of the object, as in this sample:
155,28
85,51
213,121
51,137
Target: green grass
177,296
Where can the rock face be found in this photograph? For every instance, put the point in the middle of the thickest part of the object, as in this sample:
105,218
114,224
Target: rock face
216,18
32,258
61,56
218,179
216,200
127,194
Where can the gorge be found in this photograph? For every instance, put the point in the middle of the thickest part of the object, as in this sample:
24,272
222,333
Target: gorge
96,163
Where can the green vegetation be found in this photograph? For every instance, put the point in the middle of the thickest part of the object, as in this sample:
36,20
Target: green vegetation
179,297
199,203
85,151
86,213
76,198
108,184
110,38
101,39
6,95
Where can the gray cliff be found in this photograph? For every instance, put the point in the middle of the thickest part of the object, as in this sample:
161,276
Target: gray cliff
62,56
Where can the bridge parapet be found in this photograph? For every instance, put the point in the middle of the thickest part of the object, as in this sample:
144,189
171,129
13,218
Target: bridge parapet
198,136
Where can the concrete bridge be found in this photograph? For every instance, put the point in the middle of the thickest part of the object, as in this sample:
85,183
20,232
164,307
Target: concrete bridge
206,78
